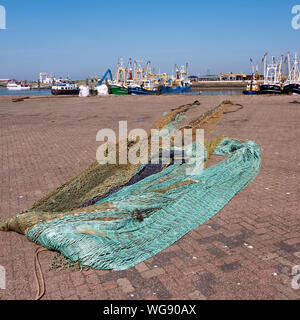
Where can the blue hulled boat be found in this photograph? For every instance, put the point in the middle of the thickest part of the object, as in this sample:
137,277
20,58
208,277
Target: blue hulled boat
252,87
167,89
249,92
178,83
139,90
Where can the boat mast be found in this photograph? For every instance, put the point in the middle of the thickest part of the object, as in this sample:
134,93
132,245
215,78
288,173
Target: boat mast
129,70
252,69
289,65
138,71
186,71
148,71
121,72
176,72
274,67
298,73
256,71
295,69
265,67
278,74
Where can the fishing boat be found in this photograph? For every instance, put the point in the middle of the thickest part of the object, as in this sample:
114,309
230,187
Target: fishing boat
292,85
67,88
118,89
252,86
119,86
140,90
4,82
141,81
291,88
184,87
179,83
270,89
12,86
147,87
272,77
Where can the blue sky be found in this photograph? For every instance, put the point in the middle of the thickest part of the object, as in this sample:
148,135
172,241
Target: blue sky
83,38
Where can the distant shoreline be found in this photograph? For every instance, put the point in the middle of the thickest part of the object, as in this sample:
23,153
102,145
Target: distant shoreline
221,84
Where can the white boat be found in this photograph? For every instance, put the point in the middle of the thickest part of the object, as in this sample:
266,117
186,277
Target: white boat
17,87
4,82
272,77
292,84
65,89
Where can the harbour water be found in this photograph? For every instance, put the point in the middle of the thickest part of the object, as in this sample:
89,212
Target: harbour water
194,91
217,91
36,92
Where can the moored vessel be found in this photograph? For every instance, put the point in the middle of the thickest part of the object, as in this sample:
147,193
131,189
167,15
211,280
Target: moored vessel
179,83
291,88
17,86
65,89
140,90
252,86
184,87
118,89
146,87
292,85
119,86
272,77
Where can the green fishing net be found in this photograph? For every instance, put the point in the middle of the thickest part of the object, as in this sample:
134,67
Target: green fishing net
139,220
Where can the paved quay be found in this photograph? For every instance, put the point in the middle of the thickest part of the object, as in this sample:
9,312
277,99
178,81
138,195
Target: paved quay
246,251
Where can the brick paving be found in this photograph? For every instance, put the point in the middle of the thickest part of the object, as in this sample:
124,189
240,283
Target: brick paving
246,251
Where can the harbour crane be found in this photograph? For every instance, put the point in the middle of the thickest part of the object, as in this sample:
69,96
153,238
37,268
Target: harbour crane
107,73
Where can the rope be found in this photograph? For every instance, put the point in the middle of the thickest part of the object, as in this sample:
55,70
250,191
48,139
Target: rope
240,108
37,267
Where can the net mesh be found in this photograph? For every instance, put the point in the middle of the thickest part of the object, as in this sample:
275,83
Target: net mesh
128,223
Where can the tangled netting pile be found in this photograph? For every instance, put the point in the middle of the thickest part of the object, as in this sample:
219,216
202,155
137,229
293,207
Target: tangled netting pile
116,216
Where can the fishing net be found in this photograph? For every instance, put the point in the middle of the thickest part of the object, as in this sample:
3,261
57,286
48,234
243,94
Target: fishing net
116,216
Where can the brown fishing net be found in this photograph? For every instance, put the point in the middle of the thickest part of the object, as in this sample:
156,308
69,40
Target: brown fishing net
98,179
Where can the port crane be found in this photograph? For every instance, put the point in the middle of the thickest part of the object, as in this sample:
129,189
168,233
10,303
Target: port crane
107,73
